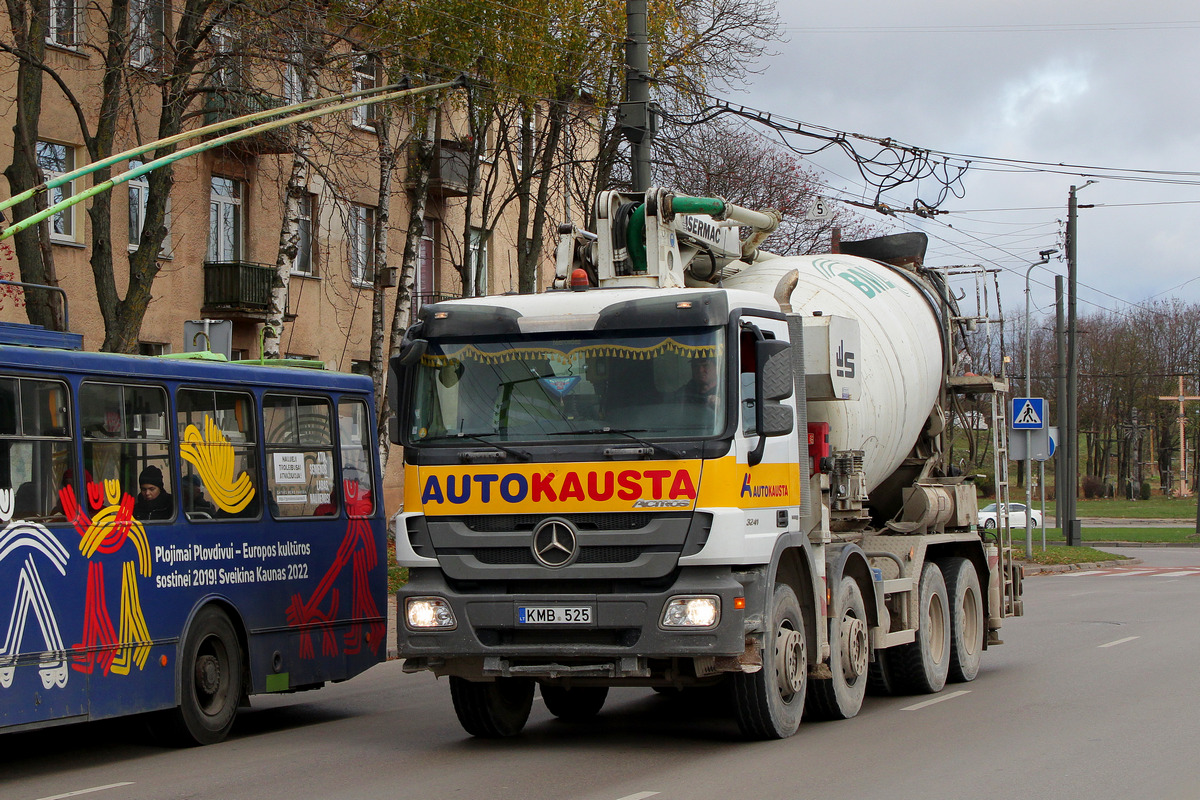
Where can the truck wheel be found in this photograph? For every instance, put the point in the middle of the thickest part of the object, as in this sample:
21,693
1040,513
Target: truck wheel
879,677
768,703
211,670
921,667
576,704
966,619
841,696
492,710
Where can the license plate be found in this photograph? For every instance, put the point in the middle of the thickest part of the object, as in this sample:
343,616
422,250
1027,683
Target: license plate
554,615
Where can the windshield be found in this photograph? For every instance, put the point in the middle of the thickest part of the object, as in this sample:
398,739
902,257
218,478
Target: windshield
532,389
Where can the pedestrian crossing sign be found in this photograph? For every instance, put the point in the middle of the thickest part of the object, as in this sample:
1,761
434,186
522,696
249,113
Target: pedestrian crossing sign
1028,413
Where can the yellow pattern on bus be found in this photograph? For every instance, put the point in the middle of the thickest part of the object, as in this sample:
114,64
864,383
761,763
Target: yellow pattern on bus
213,457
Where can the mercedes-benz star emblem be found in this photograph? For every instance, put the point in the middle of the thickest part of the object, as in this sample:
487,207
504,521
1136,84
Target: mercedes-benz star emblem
555,543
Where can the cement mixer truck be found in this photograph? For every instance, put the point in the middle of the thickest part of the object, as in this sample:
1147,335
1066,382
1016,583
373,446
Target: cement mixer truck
693,466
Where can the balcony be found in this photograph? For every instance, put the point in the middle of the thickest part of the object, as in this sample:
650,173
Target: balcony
450,166
237,289
225,105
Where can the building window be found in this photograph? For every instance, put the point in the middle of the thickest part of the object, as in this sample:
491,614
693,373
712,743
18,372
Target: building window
293,83
426,271
302,264
145,31
362,245
153,349
226,63
358,367
55,160
63,26
366,76
139,192
477,261
225,220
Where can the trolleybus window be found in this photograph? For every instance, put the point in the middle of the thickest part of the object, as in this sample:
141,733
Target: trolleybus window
219,454
356,458
299,442
35,448
126,439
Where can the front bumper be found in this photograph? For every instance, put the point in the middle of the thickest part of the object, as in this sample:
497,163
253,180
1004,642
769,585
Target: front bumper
622,639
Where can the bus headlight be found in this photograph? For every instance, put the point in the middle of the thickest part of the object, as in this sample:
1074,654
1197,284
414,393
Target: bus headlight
692,612
423,613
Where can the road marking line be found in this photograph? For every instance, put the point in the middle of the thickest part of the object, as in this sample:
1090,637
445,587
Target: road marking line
1081,574
640,796
940,699
88,791
1187,572
1120,641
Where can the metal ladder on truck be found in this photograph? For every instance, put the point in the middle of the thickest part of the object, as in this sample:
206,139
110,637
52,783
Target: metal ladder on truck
1010,571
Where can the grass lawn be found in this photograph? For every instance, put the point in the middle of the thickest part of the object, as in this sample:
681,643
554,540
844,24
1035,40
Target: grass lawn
1098,534
1061,554
1157,507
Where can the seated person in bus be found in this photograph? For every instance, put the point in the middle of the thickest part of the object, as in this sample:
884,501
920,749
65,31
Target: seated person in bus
153,502
194,501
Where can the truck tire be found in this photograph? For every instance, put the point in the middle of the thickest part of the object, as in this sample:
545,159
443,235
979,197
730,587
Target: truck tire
921,667
841,696
494,710
768,704
967,625
576,704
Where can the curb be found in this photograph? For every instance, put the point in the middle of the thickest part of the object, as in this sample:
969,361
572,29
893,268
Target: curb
1054,569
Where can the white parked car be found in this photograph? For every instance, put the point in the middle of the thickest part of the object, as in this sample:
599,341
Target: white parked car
1016,516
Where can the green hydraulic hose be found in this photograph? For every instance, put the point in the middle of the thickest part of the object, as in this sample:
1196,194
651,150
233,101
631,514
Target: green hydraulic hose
209,145
635,236
255,116
712,206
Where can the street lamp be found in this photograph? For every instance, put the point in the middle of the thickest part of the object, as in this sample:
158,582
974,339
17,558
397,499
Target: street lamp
1045,254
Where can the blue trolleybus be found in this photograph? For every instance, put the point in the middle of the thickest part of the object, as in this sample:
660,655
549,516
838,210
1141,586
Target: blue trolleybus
177,534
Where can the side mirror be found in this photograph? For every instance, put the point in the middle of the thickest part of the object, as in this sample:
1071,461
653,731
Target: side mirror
773,383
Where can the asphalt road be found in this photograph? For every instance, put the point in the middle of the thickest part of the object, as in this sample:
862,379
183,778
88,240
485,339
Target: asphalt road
1092,696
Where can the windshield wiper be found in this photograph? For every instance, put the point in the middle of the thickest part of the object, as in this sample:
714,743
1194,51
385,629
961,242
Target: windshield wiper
626,432
520,454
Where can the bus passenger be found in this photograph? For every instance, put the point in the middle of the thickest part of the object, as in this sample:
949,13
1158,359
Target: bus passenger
193,497
153,502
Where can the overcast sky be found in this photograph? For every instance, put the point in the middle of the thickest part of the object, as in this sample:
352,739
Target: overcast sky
1107,84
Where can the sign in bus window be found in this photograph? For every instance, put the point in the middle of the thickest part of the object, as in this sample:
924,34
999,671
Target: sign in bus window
300,466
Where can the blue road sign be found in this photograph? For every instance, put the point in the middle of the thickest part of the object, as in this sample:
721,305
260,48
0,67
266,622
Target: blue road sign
1028,413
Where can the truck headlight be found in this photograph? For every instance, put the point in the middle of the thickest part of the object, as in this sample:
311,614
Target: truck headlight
692,612
422,613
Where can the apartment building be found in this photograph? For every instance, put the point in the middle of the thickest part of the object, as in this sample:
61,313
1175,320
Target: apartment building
227,205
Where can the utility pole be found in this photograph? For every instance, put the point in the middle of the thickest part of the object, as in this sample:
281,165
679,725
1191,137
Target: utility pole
638,123
1060,390
1069,491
